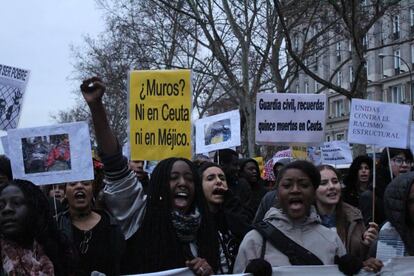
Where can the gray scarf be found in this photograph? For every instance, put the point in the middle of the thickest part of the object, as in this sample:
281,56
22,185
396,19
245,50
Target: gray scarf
186,226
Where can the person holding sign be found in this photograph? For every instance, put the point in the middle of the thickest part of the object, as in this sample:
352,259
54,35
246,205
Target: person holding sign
343,218
400,161
168,228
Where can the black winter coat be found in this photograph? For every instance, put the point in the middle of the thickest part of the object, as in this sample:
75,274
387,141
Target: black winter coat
395,205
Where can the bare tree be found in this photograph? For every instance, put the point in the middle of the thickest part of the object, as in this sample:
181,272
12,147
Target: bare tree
320,24
244,39
317,25
233,48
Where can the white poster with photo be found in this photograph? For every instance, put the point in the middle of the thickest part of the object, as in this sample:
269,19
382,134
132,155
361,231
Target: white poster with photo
218,132
336,153
378,123
51,154
283,118
13,82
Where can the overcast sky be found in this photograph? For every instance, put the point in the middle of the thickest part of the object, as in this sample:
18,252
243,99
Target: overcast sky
36,35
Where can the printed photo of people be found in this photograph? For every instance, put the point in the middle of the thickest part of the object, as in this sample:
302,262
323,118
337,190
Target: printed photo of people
46,153
217,132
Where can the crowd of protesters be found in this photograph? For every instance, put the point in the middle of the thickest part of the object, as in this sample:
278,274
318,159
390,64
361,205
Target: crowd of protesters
213,216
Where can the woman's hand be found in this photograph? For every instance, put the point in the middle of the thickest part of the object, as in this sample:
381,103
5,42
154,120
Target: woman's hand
92,90
372,265
199,266
371,234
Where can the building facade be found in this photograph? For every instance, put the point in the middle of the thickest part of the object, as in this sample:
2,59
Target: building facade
389,69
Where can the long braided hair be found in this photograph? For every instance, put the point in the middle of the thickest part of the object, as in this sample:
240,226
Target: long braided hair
161,250
42,228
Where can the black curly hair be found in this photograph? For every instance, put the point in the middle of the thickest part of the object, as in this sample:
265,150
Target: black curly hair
43,227
351,180
305,166
159,249
5,167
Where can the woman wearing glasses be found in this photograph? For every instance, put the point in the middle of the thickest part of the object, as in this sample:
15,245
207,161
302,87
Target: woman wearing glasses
400,162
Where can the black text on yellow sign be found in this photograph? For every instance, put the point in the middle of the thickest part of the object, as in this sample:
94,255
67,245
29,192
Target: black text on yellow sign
160,114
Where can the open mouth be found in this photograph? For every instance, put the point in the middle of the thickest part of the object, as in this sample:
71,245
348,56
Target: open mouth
332,195
181,199
295,203
219,191
183,195
80,195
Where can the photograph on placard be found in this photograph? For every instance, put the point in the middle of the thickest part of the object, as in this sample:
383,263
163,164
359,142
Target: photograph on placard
51,154
217,132
46,153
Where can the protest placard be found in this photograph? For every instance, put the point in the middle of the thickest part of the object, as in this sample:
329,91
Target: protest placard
5,144
396,266
216,132
336,153
52,154
320,270
185,271
299,152
13,82
160,114
314,155
412,136
283,118
379,124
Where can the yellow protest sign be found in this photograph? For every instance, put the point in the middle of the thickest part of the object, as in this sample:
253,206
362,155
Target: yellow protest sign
260,162
299,152
160,114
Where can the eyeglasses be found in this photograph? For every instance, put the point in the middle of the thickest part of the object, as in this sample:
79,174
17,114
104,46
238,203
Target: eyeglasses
400,161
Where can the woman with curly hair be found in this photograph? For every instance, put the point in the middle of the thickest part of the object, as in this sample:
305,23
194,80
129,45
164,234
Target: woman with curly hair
358,179
30,242
169,227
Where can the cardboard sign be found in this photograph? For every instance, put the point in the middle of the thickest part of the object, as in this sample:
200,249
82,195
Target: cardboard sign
52,154
299,152
283,118
412,137
336,152
13,82
160,114
217,132
378,123
314,155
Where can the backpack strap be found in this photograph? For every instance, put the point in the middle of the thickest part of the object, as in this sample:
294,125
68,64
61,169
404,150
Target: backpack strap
263,250
297,254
